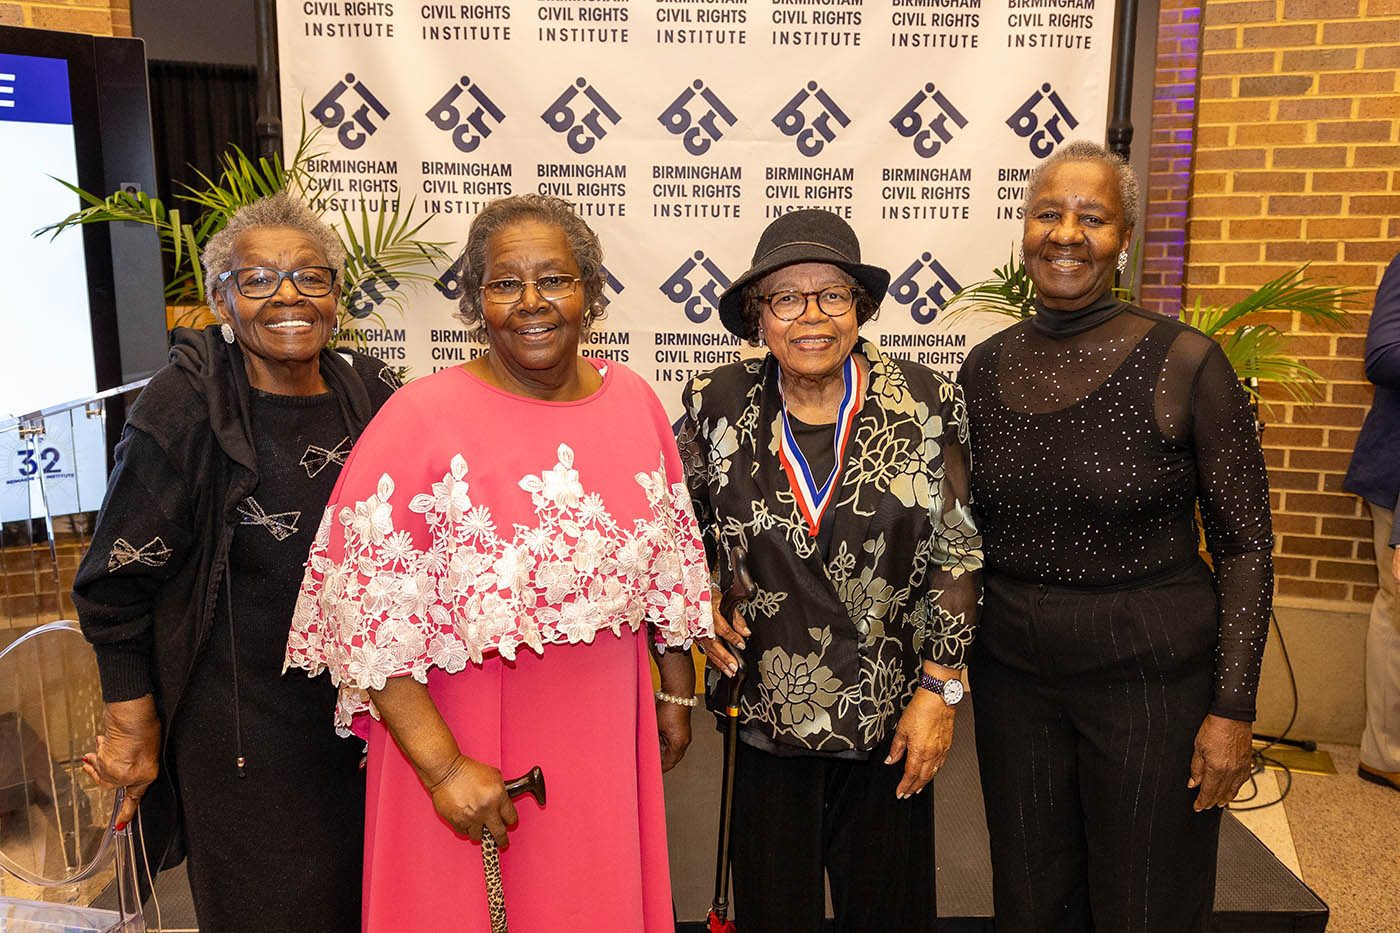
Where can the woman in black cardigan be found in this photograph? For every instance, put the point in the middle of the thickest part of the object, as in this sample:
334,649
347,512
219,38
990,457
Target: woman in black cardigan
186,593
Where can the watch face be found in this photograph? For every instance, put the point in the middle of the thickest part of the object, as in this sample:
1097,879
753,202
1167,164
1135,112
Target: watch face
952,692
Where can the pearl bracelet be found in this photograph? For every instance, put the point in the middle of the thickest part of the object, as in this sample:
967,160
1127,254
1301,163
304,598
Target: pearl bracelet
679,701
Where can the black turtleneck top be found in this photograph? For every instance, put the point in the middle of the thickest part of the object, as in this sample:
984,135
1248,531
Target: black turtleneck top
1096,435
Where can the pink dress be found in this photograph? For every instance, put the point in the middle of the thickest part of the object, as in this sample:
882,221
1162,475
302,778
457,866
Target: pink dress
519,557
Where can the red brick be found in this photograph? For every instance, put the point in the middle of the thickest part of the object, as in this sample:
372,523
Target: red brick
1332,482
1370,108
1220,37
11,14
1321,503
1314,205
1269,182
1355,131
1316,547
1381,56
1319,60
1386,205
1370,252
1237,63
1342,228
1321,9
1292,566
1299,524
1294,479
1206,89
1201,275
1315,108
1311,589
1227,206
62,19
1332,460
1357,82
1211,137
1363,594
1252,275
1366,32
1228,252
1270,134
1232,111
1301,251
1341,439
1215,159
1337,570
1366,551
1350,181
1310,157
1383,156
1273,37
1197,229
1251,11
1347,527
1201,183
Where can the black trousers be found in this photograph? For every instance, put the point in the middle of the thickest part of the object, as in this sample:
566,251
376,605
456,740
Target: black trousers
1088,704
794,817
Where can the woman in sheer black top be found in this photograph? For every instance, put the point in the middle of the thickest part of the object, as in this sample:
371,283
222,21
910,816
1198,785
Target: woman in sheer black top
1115,672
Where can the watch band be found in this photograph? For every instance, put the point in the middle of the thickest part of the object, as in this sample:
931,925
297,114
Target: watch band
951,690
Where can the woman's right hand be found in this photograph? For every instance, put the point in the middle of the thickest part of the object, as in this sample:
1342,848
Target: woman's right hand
732,630
128,751
472,796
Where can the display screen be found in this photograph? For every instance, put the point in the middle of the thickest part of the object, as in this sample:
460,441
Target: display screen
44,312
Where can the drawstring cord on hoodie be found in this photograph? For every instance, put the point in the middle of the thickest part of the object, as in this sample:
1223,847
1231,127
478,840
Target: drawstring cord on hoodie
240,761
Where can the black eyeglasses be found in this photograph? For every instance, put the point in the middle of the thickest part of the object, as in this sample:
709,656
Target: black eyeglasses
263,282
549,287
790,303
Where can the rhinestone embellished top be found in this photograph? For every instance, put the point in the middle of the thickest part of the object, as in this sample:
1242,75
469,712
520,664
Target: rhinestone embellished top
1091,454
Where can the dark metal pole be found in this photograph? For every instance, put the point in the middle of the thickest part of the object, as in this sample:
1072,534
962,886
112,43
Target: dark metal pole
1120,128
269,119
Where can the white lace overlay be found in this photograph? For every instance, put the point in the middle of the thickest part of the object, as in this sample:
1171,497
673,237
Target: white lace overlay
387,607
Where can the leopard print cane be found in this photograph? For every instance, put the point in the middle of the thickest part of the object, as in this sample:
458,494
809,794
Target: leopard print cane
495,891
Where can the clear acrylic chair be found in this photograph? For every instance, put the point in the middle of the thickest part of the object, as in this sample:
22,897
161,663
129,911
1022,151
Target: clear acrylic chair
57,827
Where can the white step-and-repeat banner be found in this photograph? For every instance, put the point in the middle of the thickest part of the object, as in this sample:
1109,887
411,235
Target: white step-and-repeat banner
681,128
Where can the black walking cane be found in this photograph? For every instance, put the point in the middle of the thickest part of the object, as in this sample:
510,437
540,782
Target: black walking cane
740,591
532,784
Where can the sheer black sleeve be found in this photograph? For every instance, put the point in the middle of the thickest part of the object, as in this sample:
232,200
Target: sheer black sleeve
1234,503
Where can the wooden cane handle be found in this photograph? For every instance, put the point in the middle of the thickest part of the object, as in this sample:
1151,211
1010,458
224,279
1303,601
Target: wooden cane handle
742,588
531,783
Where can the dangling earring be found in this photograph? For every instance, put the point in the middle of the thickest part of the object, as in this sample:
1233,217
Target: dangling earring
227,331
1122,260
762,342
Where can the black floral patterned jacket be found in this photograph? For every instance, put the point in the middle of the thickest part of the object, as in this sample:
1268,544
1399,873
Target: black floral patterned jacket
837,644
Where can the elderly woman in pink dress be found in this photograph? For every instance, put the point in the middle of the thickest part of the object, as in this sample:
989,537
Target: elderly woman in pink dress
508,542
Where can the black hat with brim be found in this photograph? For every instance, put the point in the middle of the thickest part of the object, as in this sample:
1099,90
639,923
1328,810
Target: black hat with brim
802,236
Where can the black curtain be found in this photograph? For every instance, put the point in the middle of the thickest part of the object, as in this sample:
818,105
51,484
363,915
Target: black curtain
197,111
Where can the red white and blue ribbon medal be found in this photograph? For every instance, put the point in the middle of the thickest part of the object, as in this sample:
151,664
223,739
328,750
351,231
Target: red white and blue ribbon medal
812,499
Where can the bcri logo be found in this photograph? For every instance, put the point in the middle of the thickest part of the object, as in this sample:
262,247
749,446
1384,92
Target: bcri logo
612,286
467,132
793,119
360,126
698,133
366,295
582,132
1030,115
931,132
924,300
699,301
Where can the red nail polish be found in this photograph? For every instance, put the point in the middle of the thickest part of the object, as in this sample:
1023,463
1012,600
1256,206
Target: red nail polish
120,826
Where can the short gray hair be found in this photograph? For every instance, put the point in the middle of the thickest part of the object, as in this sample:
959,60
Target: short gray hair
279,209
501,213
1083,150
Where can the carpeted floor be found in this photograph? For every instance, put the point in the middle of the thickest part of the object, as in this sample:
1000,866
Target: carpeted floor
1345,831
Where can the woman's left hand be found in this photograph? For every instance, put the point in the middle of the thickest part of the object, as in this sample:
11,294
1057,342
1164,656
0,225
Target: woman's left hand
673,728
1220,763
922,739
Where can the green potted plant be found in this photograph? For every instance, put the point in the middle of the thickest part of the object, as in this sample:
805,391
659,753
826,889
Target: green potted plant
1258,351
381,256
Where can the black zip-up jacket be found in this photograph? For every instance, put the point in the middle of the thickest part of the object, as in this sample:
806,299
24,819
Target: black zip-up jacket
147,589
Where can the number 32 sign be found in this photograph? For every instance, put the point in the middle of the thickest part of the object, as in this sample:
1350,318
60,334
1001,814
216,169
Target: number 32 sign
63,468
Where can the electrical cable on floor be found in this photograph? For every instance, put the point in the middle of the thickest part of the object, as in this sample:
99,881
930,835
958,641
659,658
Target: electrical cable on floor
1258,758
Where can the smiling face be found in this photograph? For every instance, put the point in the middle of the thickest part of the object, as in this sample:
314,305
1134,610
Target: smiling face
280,335
534,340
1073,234
814,346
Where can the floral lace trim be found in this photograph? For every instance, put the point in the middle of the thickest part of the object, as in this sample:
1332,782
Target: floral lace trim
387,608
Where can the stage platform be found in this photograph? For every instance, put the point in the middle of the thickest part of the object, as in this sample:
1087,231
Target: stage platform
1255,892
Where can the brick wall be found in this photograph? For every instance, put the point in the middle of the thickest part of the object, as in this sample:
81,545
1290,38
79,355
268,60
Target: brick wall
97,17
1170,153
1296,160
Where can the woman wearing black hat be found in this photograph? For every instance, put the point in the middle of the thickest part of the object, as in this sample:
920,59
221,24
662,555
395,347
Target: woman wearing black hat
845,475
